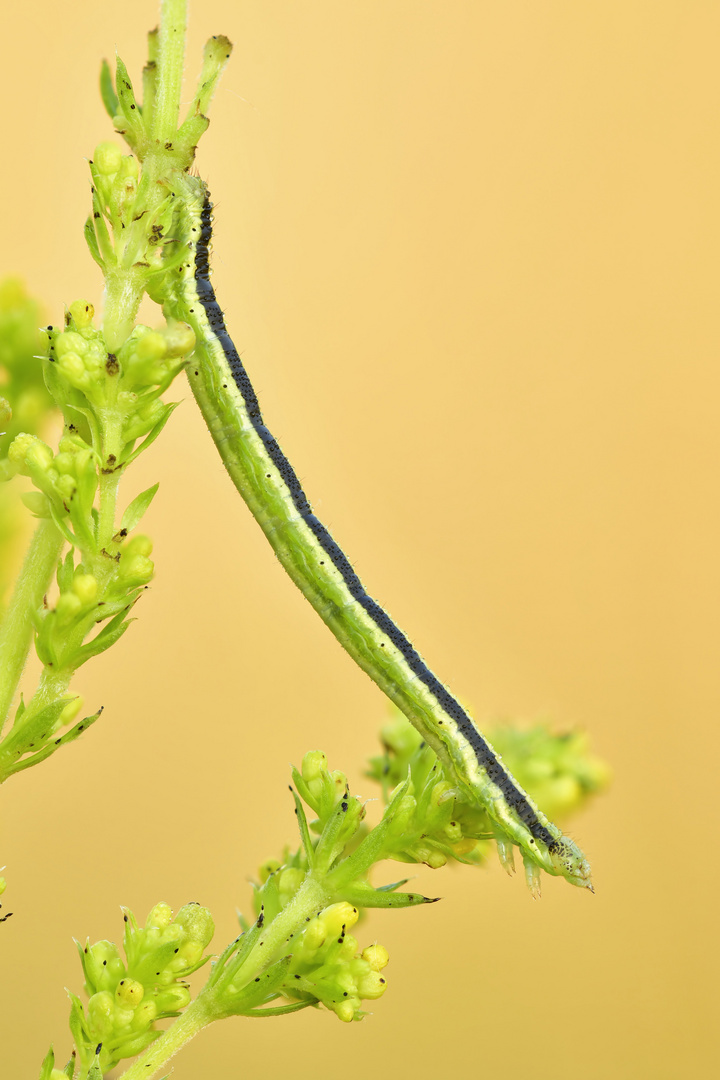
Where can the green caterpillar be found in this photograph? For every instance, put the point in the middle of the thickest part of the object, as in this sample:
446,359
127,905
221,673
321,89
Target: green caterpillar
317,565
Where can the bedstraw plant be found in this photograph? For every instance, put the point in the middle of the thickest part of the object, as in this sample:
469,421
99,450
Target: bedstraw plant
87,565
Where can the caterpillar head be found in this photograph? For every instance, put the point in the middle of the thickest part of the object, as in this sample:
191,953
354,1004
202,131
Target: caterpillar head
568,860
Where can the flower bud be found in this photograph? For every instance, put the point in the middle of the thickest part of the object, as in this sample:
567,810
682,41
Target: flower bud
180,339
28,453
160,916
129,993
85,587
101,1013
107,158
129,168
81,311
345,1010
144,1015
197,922
289,882
339,917
314,765
67,607
136,571
376,956
70,342
372,985
172,999
151,346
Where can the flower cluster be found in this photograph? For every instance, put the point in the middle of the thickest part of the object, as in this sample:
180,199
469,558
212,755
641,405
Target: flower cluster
127,997
557,770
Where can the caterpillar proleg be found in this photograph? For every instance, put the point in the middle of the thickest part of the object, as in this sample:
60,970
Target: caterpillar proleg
319,567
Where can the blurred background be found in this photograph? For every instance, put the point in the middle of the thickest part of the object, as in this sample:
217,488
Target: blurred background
469,253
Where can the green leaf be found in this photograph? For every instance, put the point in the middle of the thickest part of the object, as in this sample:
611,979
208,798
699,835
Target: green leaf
47,1065
303,827
136,510
107,90
60,524
102,641
92,243
153,434
364,896
48,750
126,98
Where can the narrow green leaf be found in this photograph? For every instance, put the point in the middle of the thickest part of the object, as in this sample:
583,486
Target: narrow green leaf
102,641
303,827
126,98
153,434
364,896
47,1065
92,243
136,509
60,523
107,90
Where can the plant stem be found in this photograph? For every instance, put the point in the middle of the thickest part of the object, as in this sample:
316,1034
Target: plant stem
214,1002
171,55
16,628
198,1015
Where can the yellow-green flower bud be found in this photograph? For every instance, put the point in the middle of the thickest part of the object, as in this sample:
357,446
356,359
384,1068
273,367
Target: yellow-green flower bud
81,311
187,956
137,570
289,882
101,1013
372,985
129,993
315,934
138,545
144,1015
67,607
339,917
180,339
85,587
151,346
345,1010
67,716
348,948
376,956
64,463
270,866
70,342
65,486
74,370
314,765
197,922
173,999
28,452
160,916
37,503
107,158
129,169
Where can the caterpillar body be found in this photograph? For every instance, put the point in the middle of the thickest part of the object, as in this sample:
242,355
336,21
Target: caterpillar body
318,566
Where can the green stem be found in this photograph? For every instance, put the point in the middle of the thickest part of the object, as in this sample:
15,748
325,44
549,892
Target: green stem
16,627
171,55
214,1002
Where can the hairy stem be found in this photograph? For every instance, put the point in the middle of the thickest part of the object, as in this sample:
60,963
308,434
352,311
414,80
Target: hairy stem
16,628
214,1002
171,55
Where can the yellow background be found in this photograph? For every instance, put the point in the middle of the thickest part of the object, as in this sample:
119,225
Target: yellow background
469,253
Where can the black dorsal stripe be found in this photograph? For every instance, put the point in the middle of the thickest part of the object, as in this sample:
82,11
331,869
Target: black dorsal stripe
485,756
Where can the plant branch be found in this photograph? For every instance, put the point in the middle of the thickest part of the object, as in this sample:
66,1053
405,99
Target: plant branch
16,628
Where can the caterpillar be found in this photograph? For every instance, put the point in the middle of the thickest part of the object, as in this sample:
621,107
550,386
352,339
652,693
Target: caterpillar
318,566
